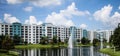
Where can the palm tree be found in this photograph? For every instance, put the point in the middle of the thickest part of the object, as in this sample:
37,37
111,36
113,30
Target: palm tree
7,43
2,37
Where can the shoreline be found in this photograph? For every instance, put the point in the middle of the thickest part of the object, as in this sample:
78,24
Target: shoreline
110,52
30,46
9,53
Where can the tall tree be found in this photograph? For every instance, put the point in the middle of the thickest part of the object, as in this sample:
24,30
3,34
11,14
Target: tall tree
7,43
54,39
66,40
2,37
59,40
111,39
116,38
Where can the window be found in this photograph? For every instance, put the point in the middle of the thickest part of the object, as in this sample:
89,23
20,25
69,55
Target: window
2,25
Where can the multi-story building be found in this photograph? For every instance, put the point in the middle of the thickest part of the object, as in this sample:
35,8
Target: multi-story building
106,34
33,33
5,29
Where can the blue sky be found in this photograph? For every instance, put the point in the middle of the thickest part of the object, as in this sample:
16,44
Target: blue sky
89,14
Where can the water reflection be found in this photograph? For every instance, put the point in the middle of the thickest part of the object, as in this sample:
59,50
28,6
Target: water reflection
70,53
77,51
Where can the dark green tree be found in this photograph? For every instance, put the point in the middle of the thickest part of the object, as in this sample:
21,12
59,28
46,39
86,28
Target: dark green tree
17,39
95,41
2,37
115,39
59,40
44,40
25,42
66,40
111,39
54,39
78,40
104,40
85,41
7,43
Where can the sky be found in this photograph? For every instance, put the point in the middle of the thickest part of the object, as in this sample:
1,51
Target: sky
86,14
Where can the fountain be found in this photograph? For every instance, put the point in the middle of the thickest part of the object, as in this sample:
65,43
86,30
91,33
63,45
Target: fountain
101,40
70,42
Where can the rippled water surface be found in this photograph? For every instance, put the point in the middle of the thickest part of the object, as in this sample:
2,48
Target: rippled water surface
76,51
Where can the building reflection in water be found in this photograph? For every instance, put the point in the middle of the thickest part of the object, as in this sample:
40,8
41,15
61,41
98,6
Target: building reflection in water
77,51
70,52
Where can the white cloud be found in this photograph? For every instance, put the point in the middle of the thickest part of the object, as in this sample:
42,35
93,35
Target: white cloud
14,1
103,15
8,18
39,22
119,7
28,9
64,17
42,3
114,20
83,26
32,20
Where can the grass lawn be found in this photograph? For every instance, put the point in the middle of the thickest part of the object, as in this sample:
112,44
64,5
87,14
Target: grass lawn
10,53
84,45
110,52
38,46
45,46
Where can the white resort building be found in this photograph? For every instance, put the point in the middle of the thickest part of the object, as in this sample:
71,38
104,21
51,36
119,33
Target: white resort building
33,33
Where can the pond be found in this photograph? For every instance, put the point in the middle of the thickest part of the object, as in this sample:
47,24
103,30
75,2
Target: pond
76,51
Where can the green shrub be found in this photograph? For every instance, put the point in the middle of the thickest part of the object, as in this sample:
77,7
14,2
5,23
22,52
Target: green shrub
3,51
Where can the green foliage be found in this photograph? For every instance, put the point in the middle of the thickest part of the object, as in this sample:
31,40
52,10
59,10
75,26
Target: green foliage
85,41
110,52
3,51
95,41
7,43
25,43
66,40
104,40
78,40
17,39
59,40
115,38
54,39
44,40
2,37
111,39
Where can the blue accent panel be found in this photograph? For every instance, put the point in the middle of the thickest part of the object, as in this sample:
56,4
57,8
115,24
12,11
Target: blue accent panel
73,31
16,27
85,33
